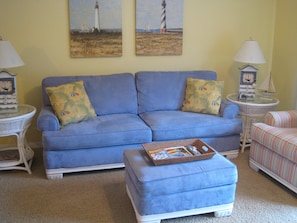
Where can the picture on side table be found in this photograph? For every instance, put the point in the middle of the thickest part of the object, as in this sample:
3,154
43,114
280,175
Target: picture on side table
95,28
159,27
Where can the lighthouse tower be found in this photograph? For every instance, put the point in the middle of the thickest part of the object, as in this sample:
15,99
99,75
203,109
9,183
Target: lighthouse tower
163,17
97,20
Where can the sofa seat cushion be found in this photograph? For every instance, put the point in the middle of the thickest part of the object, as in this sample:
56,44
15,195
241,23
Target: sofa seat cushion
172,125
101,131
150,180
281,140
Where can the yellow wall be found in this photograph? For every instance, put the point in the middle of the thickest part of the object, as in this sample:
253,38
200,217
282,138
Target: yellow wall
213,32
285,54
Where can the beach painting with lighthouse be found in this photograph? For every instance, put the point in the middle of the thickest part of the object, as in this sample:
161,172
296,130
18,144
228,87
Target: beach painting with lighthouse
95,28
159,27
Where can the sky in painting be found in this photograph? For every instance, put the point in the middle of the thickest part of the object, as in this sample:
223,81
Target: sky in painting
82,14
148,14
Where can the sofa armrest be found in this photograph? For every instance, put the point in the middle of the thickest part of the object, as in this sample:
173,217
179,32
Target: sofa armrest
228,109
281,119
47,120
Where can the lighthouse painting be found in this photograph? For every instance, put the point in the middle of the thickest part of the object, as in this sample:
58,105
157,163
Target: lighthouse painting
159,27
95,28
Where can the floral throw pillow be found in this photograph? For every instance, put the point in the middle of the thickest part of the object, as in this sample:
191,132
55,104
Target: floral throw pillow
203,96
70,102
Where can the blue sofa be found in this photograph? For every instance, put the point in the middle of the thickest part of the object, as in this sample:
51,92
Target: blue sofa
131,110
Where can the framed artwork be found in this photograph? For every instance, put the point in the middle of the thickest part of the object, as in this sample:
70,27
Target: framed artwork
159,27
95,28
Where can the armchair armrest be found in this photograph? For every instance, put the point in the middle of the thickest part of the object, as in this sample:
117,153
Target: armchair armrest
281,119
228,109
47,120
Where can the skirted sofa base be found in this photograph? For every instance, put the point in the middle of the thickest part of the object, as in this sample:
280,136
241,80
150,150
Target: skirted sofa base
131,110
85,154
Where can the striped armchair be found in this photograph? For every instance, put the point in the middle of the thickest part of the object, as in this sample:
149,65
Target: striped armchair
274,147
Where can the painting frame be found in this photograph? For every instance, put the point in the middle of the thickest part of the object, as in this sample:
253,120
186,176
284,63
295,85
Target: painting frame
159,27
95,28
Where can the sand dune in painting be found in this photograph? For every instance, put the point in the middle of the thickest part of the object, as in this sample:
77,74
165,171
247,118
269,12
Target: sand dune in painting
96,44
154,44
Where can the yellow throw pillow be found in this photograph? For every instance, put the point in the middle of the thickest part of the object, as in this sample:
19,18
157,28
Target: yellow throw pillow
203,96
70,102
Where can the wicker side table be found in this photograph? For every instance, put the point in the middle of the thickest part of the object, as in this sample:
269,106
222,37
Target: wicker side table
251,111
15,122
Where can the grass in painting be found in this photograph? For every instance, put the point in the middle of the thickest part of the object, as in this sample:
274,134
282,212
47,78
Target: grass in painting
96,44
154,44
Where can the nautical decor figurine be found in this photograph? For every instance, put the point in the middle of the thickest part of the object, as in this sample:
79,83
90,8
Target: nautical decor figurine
247,85
267,87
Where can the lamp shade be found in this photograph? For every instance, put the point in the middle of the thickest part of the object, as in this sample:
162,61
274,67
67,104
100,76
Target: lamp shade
250,52
8,56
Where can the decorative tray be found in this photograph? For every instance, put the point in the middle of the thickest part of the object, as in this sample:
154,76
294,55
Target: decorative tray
162,153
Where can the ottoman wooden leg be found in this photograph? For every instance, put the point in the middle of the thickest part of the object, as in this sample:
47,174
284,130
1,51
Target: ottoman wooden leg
223,213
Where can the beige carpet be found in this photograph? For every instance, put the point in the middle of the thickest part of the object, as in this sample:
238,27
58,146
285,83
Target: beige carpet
100,196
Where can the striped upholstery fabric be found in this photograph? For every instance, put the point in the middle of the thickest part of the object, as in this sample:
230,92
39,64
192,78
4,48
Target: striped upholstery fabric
281,140
274,145
283,168
284,119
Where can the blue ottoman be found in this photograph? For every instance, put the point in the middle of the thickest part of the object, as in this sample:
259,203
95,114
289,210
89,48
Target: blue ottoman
176,190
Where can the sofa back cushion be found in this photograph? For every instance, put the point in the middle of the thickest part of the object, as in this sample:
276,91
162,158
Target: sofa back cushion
165,90
109,94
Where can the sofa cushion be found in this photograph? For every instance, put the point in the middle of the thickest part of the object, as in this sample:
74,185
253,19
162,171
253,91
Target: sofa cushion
203,96
281,140
70,102
172,125
165,90
109,94
101,131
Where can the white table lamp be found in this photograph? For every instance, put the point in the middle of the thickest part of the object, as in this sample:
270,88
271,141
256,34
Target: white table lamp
249,53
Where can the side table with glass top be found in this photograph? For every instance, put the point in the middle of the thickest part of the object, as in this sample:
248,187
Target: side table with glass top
15,122
252,110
